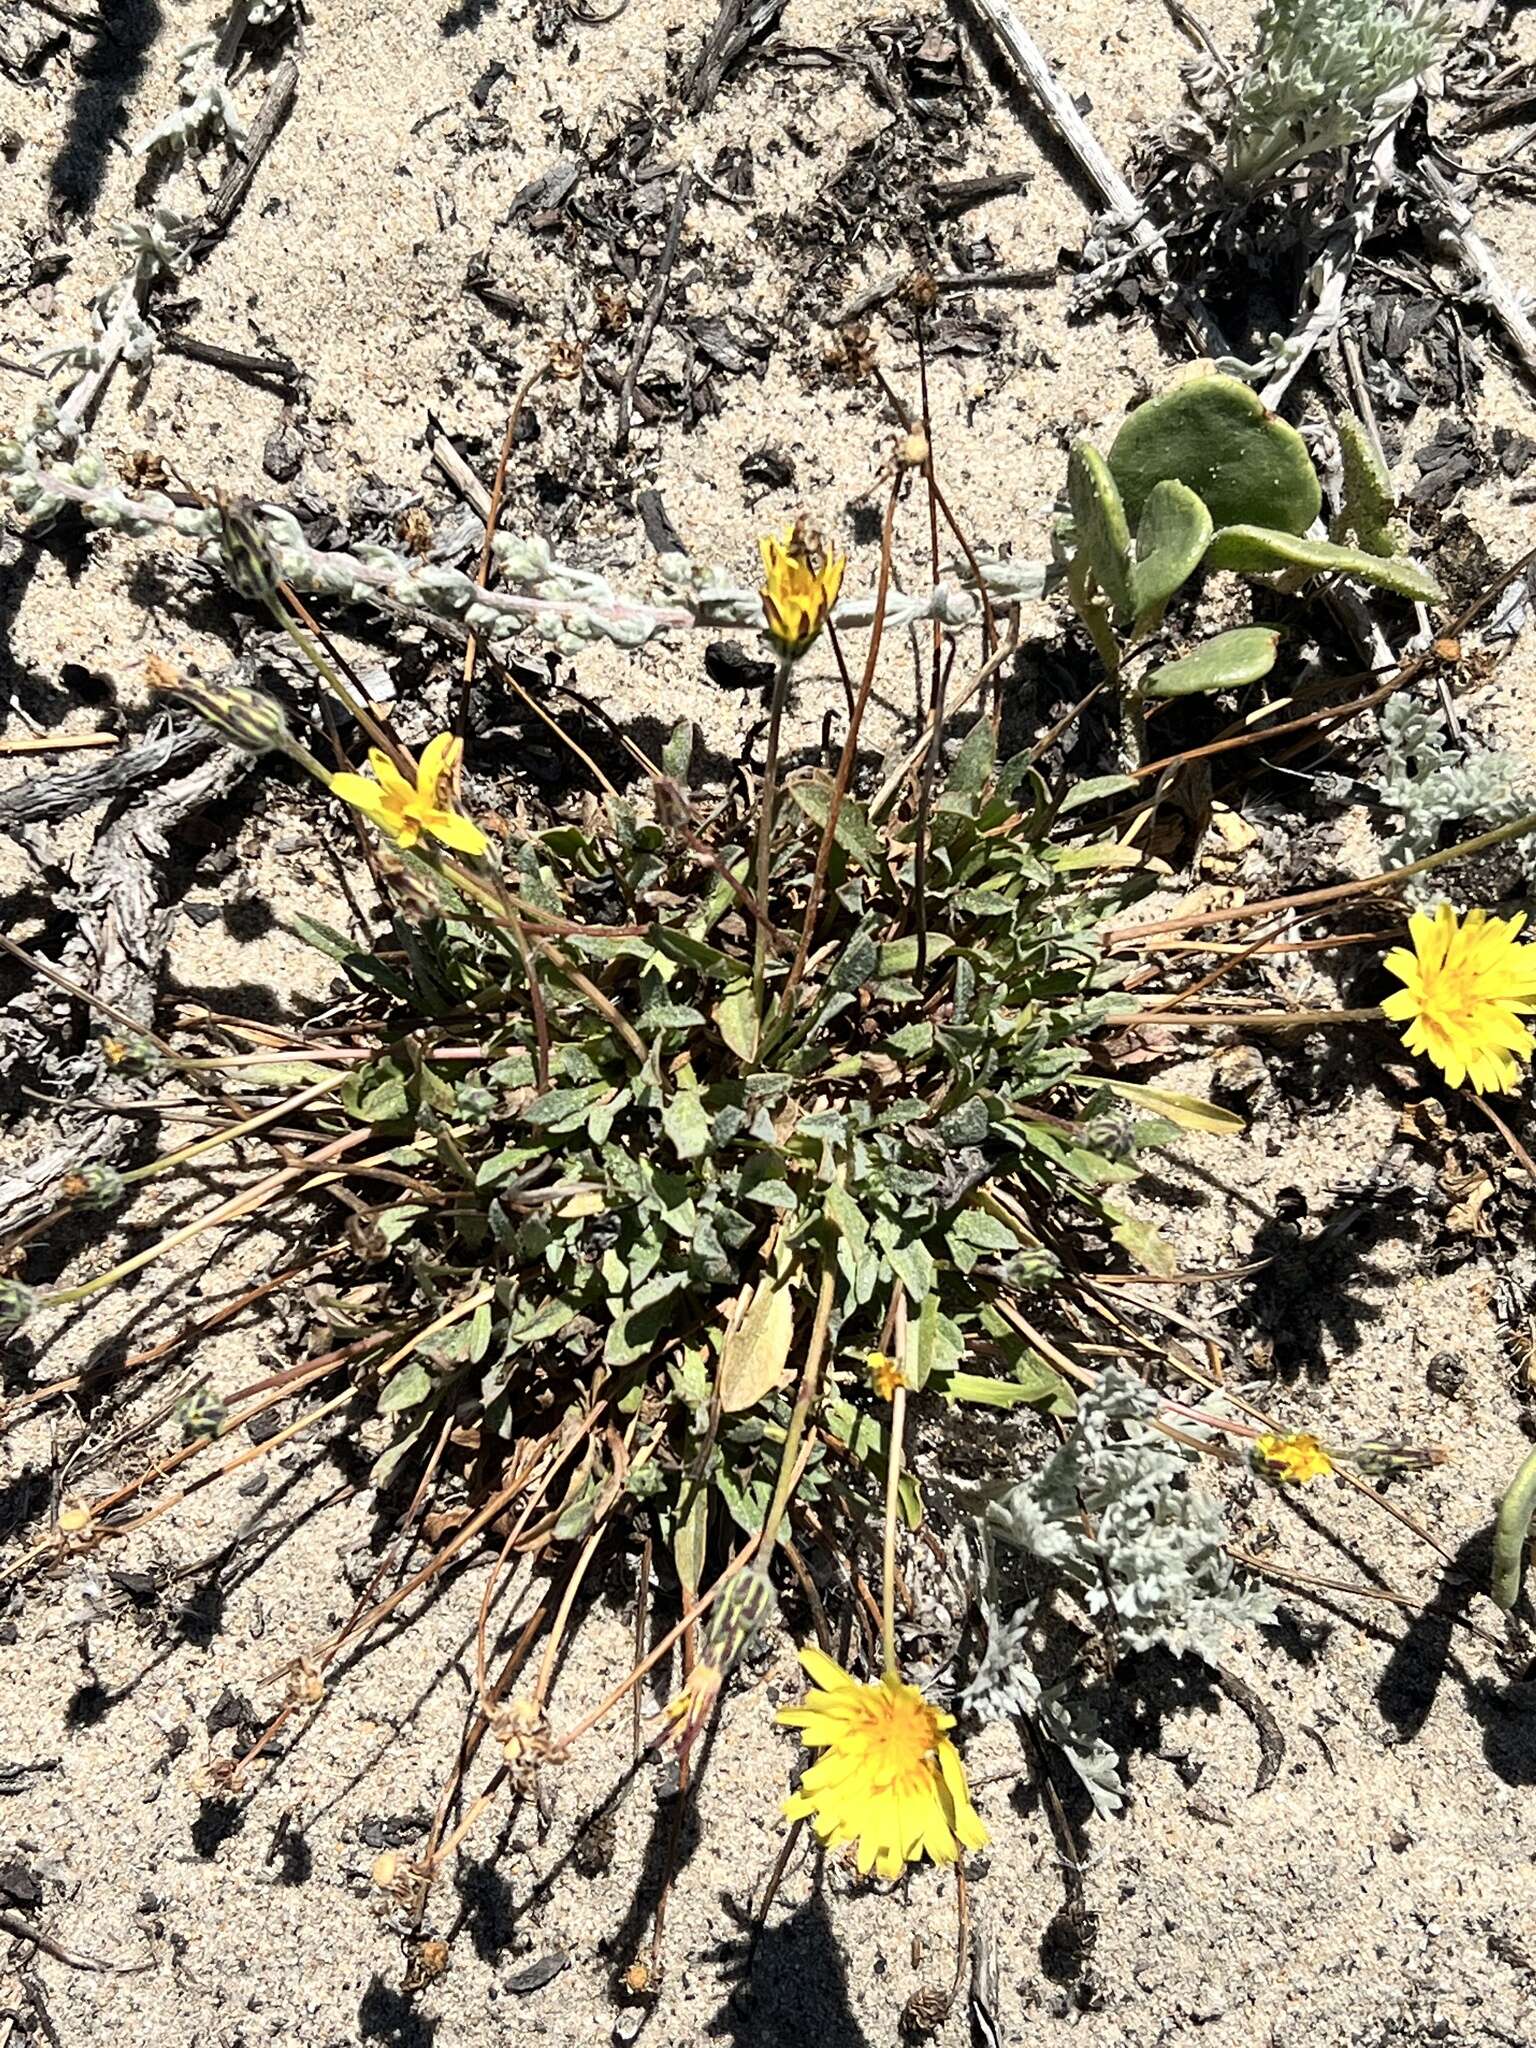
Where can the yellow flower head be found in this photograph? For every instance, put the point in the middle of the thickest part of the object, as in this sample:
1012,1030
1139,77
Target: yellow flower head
408,811
891,1781
885,1376
800,588
1296,1458
1466,987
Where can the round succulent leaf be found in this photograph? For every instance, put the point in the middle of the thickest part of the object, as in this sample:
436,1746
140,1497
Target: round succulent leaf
1223,662
1218,437
1171,538
1258,549
1103,538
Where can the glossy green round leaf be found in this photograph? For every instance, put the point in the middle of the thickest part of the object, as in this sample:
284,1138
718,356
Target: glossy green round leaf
1257,549
1216,435
1102,536
1171,538
1222,663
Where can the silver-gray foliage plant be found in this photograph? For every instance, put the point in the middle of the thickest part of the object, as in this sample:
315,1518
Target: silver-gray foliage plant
1429,783
1114,1517
1325,74
206,112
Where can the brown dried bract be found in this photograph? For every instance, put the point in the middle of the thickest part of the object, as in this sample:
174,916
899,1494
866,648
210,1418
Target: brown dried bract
852,353
415,530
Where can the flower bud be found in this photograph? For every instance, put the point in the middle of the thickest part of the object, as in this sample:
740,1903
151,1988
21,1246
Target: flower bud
249,560
1386,1459
734,1621
245,717
200,1413
95,1186
16,1306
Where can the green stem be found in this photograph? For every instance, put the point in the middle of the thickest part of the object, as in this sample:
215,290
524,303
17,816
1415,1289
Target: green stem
1273,1020
805,1401
226,1212
228,1135
892,1500
765,830
339,689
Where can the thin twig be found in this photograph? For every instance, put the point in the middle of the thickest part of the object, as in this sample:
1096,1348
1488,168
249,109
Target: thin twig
1061,111
654,304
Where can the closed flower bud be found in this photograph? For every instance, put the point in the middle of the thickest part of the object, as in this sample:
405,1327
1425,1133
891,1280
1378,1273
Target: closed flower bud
248,558
1384,1460
130,1055
95,1186
201,1413
255,723
734,1621
16,1306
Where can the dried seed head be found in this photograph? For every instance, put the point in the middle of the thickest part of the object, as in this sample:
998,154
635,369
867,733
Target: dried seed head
16,1306
566,359
852,353
386,1871
521,1727
922,290
415,530
366,1238
95,1186
925,2011
912,450
429,1962
248,558
144,469
613,310
221,1778
306,1686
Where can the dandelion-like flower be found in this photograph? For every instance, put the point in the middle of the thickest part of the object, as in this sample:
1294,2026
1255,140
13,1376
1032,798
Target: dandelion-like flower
801,582
1466,987
408,812
1295,1458
891,1781
885,1375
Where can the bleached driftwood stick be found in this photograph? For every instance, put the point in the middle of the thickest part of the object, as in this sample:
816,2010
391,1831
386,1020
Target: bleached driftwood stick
1455,223
1114,192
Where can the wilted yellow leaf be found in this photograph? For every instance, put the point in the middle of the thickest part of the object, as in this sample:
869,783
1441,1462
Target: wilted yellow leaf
753,1356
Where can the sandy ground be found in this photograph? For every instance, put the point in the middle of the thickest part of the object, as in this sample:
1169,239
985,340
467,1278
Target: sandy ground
1381,1889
